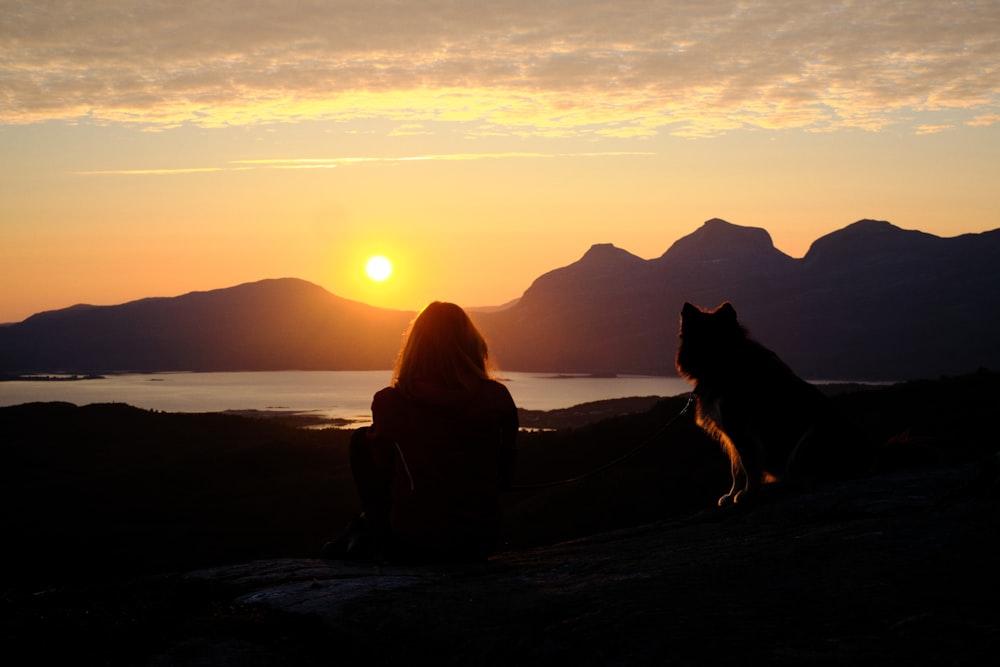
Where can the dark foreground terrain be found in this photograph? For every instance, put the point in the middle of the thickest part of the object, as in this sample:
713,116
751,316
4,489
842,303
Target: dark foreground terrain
134,537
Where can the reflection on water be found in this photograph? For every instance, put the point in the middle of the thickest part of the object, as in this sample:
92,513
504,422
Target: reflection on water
321,394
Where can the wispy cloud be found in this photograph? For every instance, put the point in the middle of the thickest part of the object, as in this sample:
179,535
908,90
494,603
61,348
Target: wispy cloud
539,67
933,129
986,119
147,172
330,163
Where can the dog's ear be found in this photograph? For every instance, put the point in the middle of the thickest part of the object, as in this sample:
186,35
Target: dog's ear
689,310
727,310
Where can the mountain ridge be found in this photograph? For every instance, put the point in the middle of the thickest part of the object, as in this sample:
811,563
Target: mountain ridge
869,301
219,329
718,240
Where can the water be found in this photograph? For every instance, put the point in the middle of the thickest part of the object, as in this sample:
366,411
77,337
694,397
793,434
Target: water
329,394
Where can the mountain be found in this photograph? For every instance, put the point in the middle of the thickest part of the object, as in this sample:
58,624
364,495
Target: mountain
867,302
871,301
268,325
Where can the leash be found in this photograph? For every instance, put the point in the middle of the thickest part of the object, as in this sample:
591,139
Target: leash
645,443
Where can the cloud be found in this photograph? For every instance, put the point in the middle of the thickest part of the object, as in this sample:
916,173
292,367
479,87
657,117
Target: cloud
523,67
147,172
409,129
933,129
330,163
987,119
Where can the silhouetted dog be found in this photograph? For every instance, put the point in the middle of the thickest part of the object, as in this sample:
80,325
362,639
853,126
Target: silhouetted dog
773,425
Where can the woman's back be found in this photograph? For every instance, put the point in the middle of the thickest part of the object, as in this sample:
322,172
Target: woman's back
440,450
451,453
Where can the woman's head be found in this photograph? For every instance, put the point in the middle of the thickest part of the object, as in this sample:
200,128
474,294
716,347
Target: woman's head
442,347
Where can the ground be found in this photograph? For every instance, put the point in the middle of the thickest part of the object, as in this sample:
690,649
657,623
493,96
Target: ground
895,569
140,538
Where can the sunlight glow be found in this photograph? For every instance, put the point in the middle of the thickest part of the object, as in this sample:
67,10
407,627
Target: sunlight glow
477,145
378,268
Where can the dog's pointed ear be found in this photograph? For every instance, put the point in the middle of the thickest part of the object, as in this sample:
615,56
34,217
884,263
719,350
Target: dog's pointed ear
727,310
688,309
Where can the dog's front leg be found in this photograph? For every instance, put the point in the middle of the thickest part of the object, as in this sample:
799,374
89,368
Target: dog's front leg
737,470
748,473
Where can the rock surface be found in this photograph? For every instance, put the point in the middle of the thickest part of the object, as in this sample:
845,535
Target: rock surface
891,570
139,538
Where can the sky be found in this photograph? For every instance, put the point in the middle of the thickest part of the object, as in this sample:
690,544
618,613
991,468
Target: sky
154,148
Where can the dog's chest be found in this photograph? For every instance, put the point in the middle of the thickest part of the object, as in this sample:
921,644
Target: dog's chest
709,412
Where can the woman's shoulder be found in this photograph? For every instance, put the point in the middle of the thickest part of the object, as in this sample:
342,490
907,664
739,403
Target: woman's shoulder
497,392
487,393
386,397
386,391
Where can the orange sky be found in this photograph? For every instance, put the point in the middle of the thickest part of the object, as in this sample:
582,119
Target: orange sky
147,150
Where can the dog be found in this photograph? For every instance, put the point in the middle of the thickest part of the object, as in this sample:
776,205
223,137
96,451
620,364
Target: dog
773,425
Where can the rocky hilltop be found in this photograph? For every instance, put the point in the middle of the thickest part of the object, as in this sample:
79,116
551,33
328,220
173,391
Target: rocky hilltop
894,570
134,537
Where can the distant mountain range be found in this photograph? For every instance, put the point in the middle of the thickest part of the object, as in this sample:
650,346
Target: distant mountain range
268,325
868,302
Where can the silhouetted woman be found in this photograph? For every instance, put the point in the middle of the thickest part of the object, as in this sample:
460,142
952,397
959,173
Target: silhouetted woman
431,469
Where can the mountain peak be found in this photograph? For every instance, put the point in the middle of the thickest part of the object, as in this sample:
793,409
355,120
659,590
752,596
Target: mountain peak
603,267
717,223
605,253
871,227
870,238
872,223
718,240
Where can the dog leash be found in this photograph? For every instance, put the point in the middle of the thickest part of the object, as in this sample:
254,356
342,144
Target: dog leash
610,464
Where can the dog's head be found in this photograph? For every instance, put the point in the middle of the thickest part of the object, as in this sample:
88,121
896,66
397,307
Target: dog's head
705,337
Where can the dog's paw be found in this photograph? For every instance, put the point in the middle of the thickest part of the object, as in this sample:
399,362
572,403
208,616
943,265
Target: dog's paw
727,500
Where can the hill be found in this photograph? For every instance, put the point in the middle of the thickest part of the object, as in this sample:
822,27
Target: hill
282,324
868,302
136,537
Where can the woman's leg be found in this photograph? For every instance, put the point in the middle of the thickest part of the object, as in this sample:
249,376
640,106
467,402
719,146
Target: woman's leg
372,484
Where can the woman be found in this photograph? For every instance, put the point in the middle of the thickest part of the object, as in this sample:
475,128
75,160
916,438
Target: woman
431,469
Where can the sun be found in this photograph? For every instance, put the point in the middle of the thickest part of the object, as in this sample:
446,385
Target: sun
378,268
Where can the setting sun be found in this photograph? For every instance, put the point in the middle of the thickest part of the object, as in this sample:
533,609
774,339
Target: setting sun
378,268
461,181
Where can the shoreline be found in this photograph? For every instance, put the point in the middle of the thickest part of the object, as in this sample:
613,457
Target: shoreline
53,377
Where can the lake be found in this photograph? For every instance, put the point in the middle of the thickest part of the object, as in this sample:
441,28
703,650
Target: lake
329,394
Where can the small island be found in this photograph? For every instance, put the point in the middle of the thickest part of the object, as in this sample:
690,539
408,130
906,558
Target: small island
29,377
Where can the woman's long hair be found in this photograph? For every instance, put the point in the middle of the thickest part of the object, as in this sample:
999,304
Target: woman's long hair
443,347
